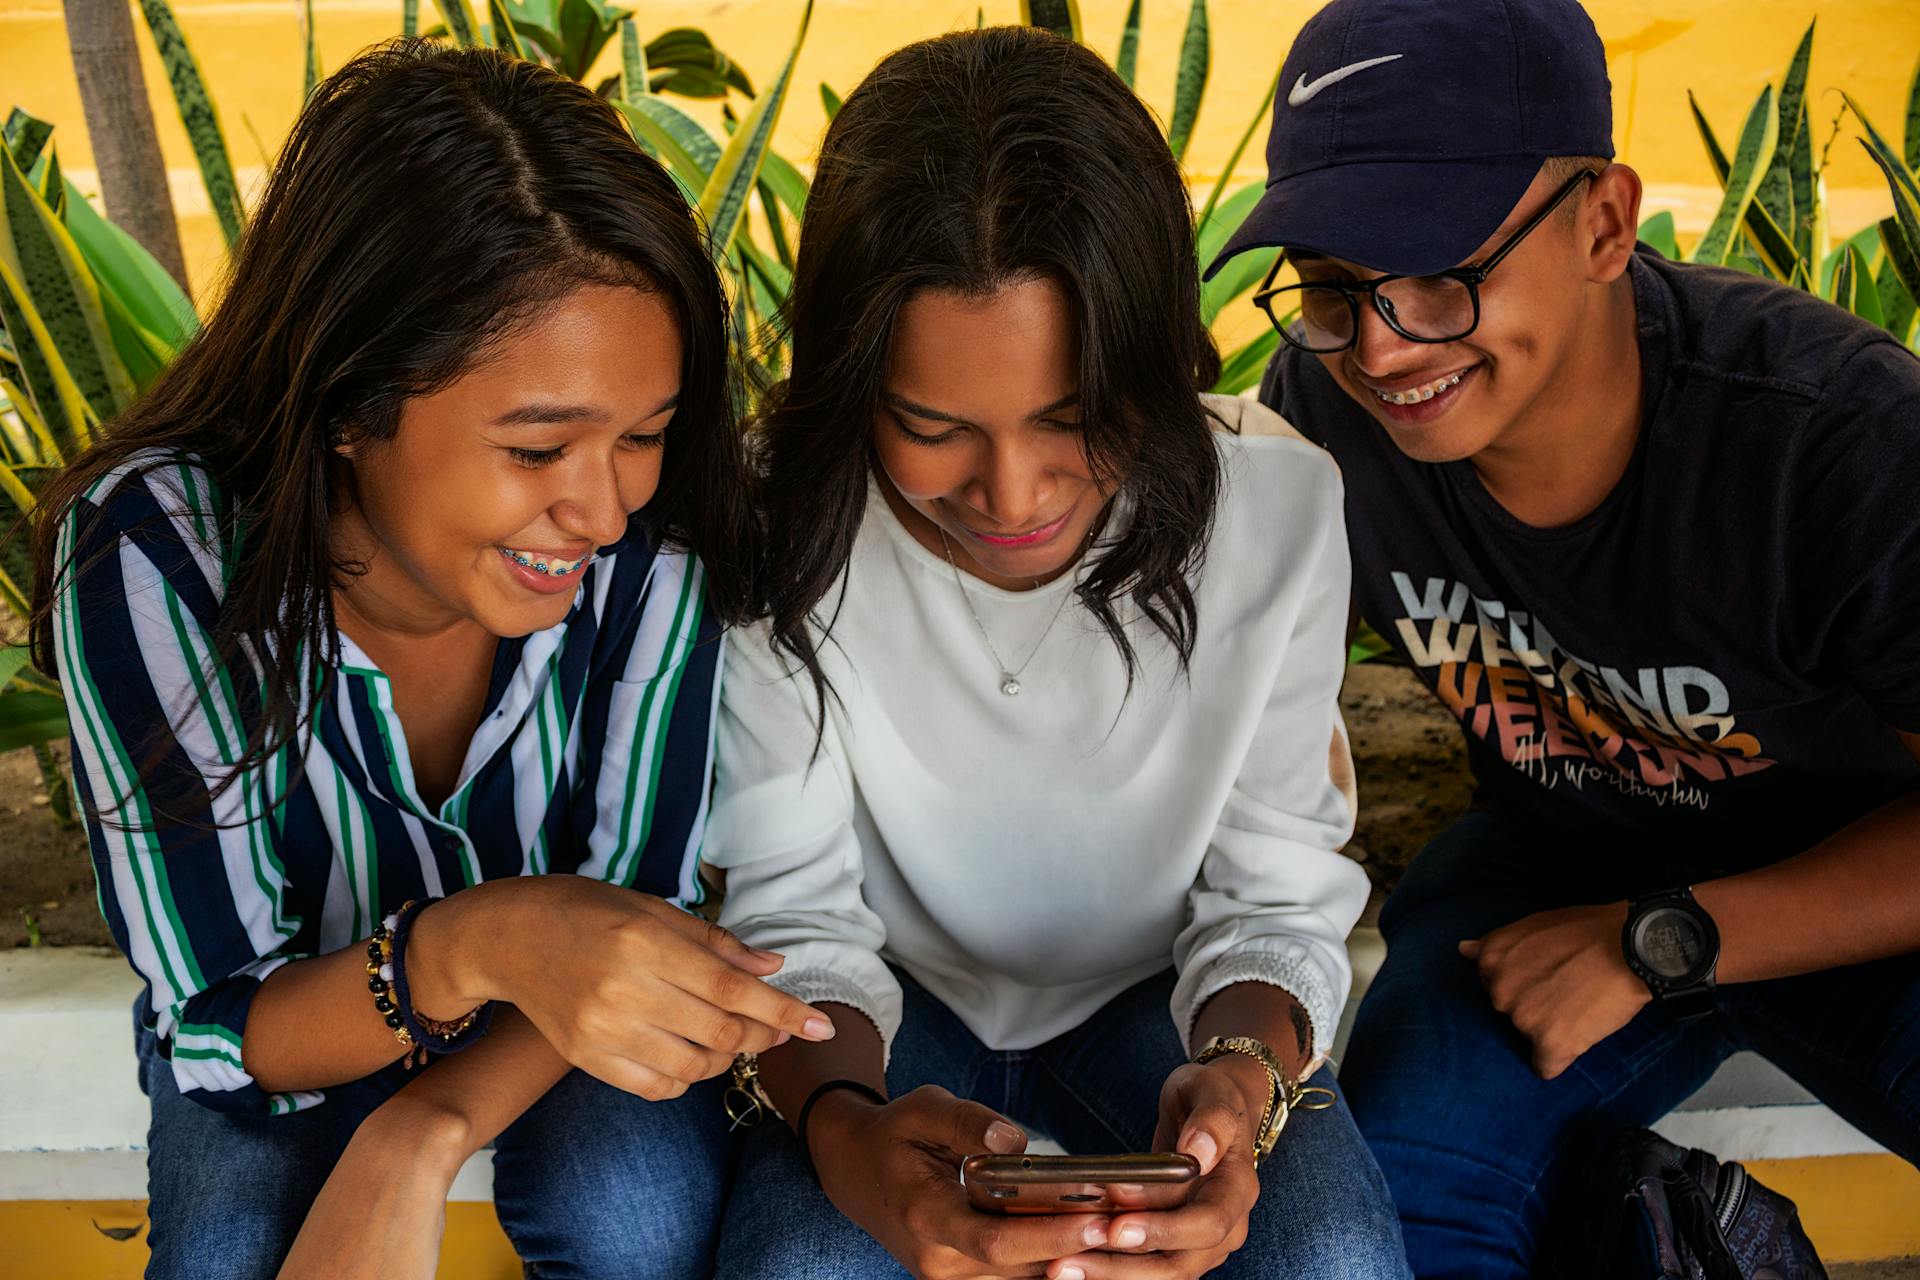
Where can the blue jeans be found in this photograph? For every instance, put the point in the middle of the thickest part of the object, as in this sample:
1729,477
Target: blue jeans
1323,1210
590,1182
1484,1156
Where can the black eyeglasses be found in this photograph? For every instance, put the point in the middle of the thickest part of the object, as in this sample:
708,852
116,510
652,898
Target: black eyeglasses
1444,307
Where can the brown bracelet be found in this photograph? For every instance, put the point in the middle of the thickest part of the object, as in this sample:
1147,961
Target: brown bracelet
382,981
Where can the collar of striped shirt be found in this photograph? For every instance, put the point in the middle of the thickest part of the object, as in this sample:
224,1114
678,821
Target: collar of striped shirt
593,756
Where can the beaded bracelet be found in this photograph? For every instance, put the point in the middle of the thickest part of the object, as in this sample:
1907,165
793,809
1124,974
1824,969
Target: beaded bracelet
387,979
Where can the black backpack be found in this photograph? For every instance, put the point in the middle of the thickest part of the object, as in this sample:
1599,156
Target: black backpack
1662,1212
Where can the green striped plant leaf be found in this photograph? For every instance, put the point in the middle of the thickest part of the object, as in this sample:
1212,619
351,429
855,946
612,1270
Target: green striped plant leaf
1899,279
55,396
26,136
310,61
1190,82
829,101
1658,231
1868,241
1853,286
1234,279
124,270
40,250
1770,240
409,18
1776,194
1901,232
12,659
1062,17
1242,369
30,719
459,20
1128,57
198,115
1809,229
633,61
723,201
1758,139
1913,121
689,151
1891,162
23,437
505,38
687,62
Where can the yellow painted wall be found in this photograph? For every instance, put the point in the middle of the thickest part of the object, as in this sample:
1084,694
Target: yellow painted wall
1722,49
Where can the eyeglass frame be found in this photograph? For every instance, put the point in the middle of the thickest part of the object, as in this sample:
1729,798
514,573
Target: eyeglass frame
1472,276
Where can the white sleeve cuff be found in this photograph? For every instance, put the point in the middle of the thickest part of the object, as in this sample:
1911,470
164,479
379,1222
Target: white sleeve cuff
1291,966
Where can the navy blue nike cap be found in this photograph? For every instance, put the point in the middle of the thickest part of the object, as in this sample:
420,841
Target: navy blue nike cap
1405,131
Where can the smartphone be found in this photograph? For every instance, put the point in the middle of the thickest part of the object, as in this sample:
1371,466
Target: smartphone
1079,1184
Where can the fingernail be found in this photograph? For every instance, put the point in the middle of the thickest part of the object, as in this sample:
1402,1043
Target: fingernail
1004,1138
764,954
1203,1148
1070,1272
818,1029
1131,1236
1095,1235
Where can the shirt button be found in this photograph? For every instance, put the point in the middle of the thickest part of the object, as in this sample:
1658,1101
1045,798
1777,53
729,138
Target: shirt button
450,844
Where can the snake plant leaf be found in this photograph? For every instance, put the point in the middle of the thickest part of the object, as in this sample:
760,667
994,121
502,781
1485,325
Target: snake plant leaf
829,101
198,115
633,61
1772,241
1901,232
1853,287
30,719
409,18
1129,55
585,29
1190,81
27,439
310,57
1913,121
26,136
55,397
1062,17
1658,232
723,201
1759,138
505,37
1776,194
12,659
40,251
689,151
1809,229
1891,162
1896,304
459,20
1242,369
1868,241
1234,279
789,185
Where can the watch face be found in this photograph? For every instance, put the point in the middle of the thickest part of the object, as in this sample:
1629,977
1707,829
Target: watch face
1670,942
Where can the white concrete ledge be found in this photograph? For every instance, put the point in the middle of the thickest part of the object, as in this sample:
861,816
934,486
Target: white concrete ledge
73,1122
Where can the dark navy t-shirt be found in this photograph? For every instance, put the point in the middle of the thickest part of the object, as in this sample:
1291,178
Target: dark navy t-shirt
1711,664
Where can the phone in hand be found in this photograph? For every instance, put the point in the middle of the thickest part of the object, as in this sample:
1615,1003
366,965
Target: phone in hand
1079,1184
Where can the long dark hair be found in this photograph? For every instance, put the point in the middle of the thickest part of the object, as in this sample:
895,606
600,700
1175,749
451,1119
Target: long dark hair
970,162
428,200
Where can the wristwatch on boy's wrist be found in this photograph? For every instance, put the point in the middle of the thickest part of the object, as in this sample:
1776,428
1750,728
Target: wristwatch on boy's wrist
1673,946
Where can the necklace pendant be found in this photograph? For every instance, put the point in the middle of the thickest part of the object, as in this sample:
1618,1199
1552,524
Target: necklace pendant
1009,685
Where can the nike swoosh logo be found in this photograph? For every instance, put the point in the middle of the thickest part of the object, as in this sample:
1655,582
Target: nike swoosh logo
1304,92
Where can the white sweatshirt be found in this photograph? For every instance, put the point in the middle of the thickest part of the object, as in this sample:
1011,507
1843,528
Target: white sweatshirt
1028,858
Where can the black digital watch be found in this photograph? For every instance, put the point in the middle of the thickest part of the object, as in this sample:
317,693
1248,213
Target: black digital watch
1672,945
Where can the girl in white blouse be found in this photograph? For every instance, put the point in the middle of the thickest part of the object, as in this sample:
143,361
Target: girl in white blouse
1031,767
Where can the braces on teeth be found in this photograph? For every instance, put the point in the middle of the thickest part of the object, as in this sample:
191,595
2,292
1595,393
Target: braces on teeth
553,569
1418,394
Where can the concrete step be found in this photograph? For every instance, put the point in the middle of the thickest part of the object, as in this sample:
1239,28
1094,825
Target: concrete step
73,1121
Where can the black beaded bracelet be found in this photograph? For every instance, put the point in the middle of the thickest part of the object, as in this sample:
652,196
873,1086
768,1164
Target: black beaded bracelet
387,979
866,1091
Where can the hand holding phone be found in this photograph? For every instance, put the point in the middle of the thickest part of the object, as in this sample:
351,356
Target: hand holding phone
1025,1185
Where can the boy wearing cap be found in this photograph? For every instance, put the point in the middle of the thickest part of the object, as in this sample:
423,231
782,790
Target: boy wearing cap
1652,533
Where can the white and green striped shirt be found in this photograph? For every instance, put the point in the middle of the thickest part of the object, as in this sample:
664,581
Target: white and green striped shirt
593,756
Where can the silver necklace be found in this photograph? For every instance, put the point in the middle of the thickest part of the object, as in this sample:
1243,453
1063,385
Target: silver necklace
1009,679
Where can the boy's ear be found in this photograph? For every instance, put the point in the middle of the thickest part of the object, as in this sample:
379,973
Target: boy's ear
1610,222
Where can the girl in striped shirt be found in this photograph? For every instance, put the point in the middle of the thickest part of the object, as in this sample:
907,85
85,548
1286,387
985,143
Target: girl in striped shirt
405,584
